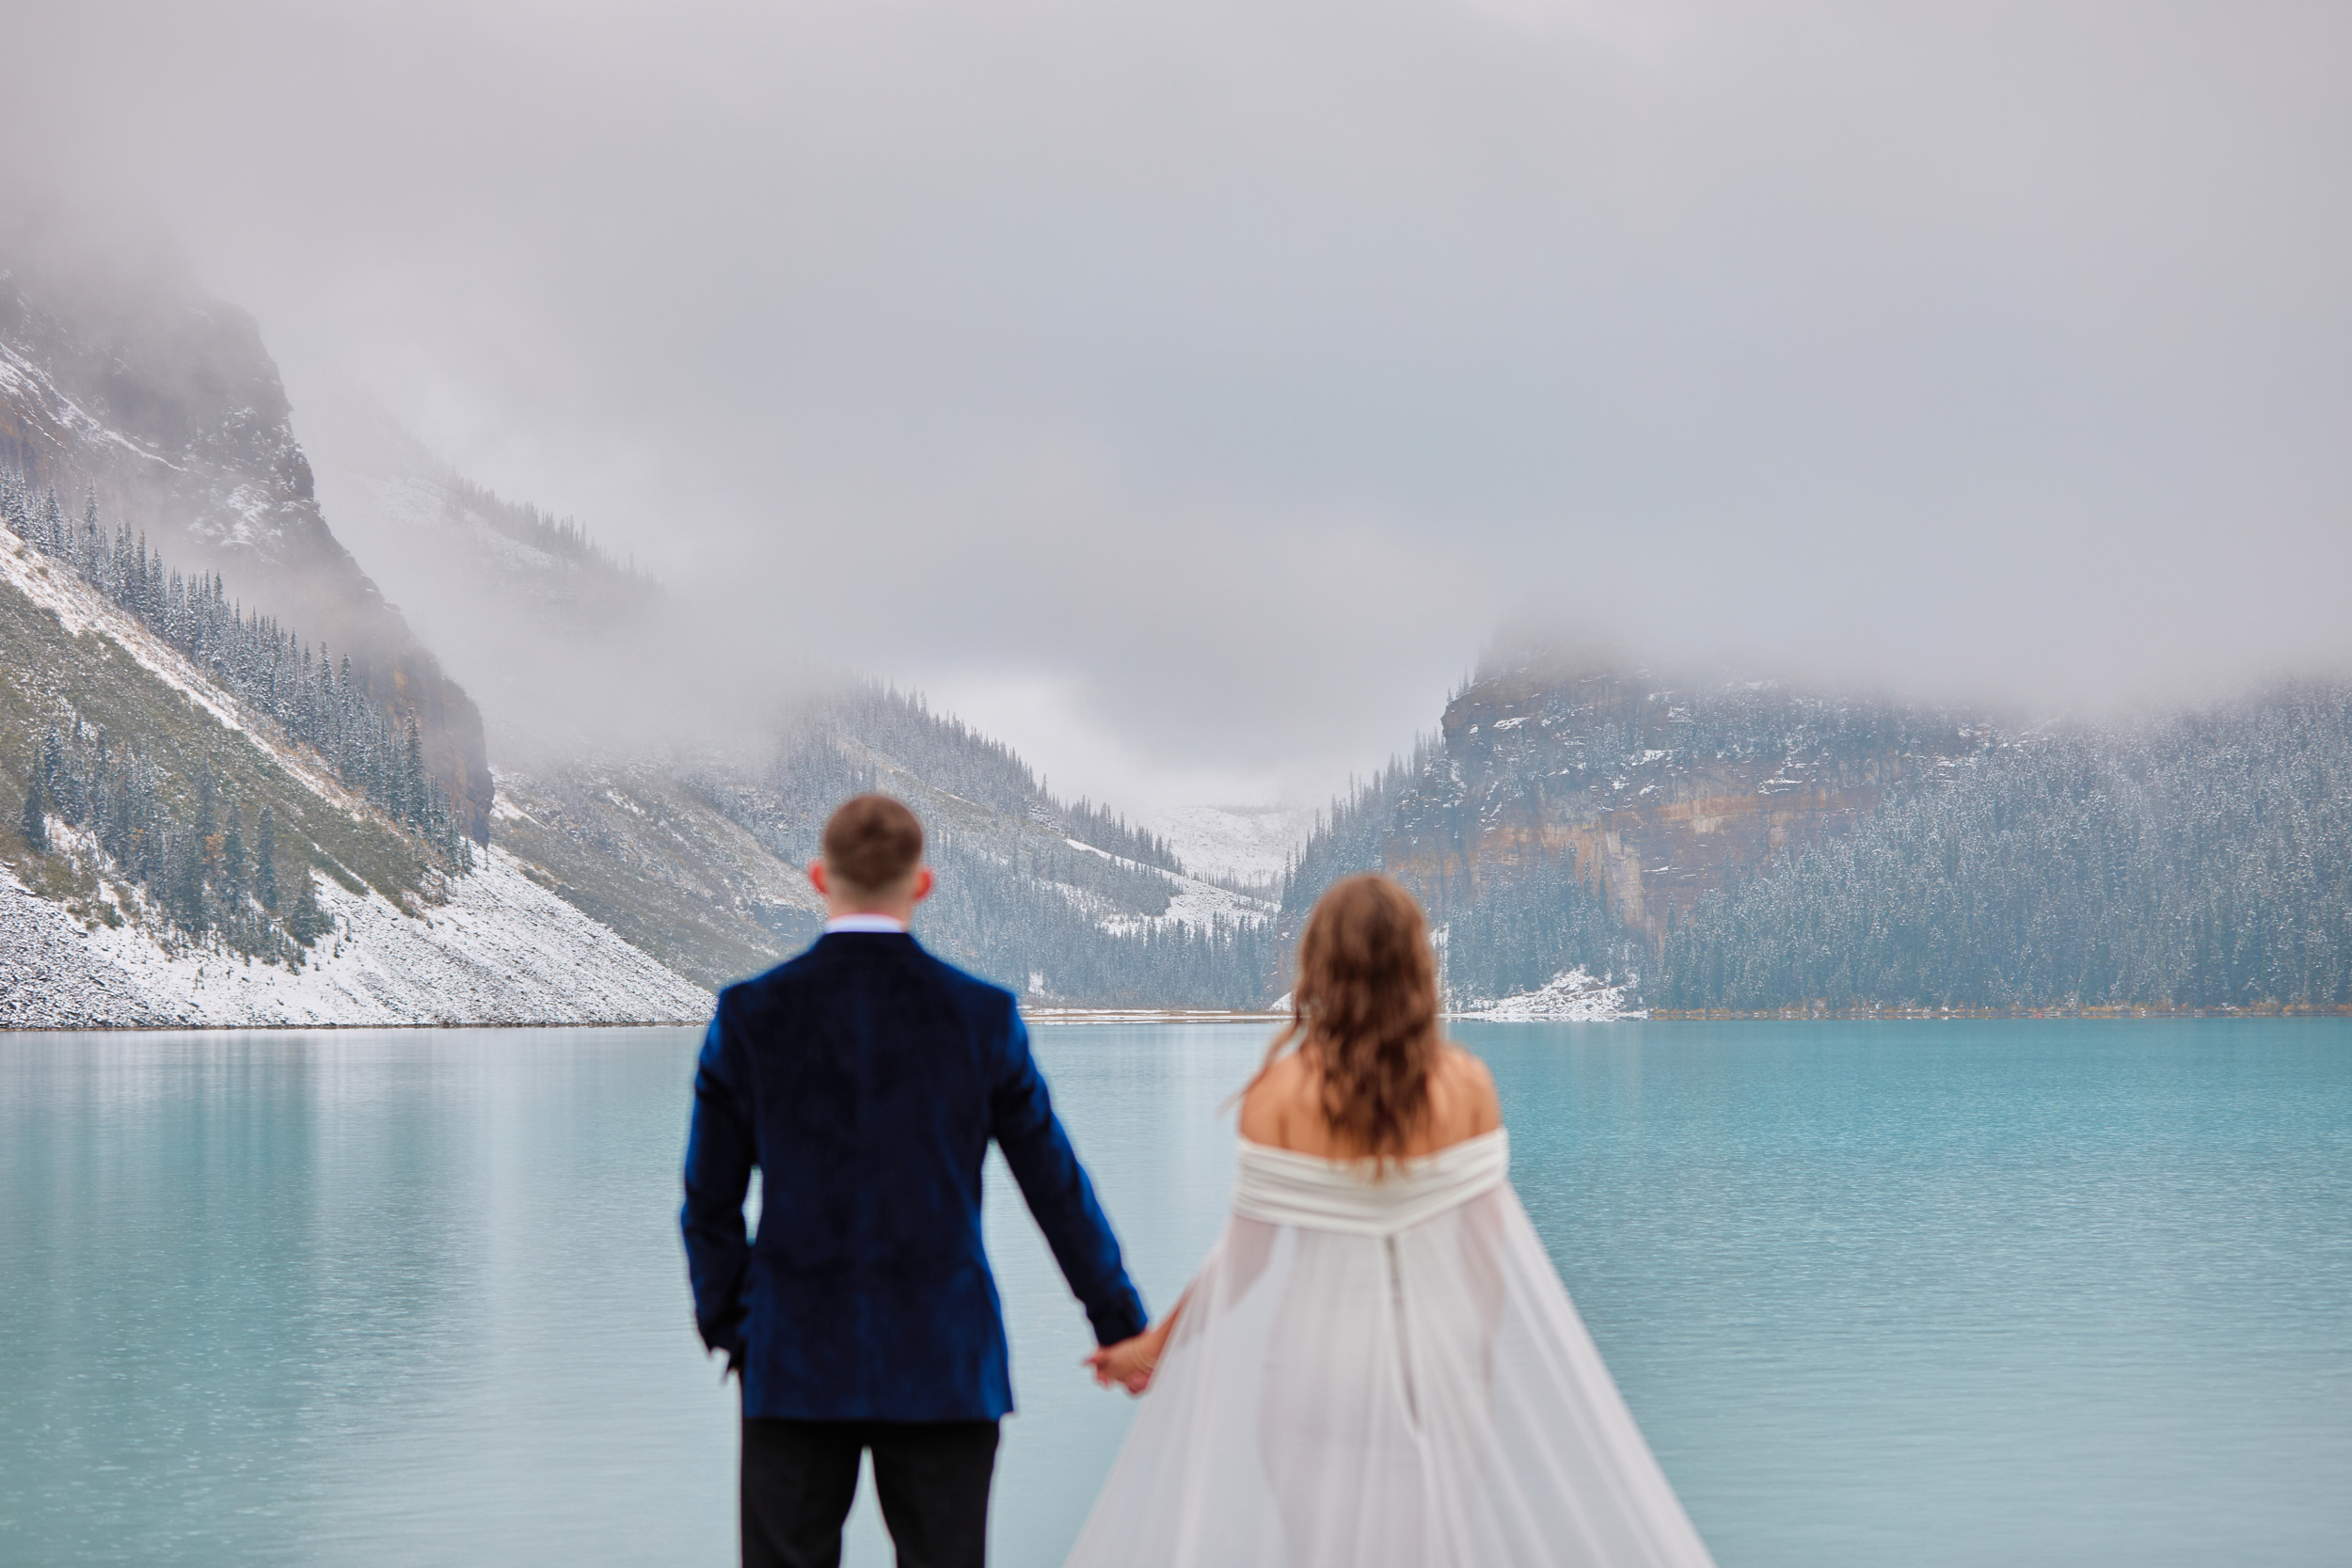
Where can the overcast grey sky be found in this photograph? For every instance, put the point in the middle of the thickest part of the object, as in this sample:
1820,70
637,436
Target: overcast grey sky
1186,391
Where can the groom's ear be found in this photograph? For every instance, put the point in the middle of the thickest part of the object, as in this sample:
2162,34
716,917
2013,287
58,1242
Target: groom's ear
923,881
816,879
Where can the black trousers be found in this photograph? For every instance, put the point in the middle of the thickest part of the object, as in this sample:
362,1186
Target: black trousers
932,1478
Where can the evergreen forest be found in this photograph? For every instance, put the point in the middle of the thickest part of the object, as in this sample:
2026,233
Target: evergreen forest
318,703
2201,862
2206,861
187,820
1017,901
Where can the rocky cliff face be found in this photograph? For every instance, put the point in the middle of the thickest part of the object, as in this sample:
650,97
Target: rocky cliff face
164,407
1654,792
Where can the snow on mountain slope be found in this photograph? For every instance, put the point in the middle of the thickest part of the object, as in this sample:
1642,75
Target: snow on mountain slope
124,384
492,946
80,609
629,846
1191,901
50,976
501,950
1248,845
1571,997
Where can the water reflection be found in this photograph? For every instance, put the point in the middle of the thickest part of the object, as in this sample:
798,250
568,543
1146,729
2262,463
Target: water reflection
1961,1293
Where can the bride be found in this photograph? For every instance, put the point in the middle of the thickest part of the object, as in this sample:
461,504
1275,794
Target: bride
1376,1365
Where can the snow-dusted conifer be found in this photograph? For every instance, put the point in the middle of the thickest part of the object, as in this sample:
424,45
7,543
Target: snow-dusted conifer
306,922
234,869
36,815
266,860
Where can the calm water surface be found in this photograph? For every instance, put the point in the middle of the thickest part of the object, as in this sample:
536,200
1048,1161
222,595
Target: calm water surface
1918,1293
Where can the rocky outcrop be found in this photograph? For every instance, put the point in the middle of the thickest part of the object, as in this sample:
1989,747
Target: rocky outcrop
166,408
1657,791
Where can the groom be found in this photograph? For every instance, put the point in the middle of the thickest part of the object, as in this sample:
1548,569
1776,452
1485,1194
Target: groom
864,1079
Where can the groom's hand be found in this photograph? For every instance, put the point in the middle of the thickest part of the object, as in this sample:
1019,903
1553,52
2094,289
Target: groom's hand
1128,1363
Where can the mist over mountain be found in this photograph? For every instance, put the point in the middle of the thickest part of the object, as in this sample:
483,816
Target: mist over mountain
193,765
1589,832
566,648
127,386
670,772
1218,376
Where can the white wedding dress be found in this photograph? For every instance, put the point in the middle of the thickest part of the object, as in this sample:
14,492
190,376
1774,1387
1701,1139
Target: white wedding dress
1383,1371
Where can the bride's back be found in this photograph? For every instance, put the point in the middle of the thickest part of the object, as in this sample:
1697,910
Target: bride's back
1283,1109
1371,1076
1378,1367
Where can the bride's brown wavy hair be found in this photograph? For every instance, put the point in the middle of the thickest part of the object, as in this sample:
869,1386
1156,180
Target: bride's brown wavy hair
1364,1012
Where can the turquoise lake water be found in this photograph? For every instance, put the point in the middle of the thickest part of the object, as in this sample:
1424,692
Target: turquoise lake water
1912,1293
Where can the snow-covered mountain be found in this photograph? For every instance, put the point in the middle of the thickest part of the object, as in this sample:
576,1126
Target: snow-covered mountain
698,855
1748,846
1241,846
252,796
501,949
183,860
130,393
639,775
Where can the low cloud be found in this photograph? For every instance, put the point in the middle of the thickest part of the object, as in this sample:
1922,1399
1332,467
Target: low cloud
1200,385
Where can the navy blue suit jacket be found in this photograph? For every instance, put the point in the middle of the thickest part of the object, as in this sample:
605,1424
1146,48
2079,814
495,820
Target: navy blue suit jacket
864,1079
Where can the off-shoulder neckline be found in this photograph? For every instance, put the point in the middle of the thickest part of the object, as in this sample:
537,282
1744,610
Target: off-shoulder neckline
1276,1151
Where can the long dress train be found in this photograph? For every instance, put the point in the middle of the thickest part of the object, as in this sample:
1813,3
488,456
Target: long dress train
1375,1371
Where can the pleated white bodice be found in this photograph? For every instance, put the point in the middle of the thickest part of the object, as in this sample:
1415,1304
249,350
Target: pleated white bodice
1282,1186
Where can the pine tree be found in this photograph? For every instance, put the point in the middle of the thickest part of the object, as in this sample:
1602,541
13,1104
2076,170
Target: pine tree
207,821
265,861
412,791
184,896
36,817
232,865
306,922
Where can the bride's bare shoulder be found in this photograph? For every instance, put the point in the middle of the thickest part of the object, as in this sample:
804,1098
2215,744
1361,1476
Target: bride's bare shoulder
1472,1102
1269,1105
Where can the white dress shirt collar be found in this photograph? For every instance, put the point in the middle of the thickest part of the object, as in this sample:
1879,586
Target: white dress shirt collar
865,922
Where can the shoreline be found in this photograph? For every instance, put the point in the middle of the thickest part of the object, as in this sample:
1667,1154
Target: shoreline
1047,1017
2101,1012
351,1028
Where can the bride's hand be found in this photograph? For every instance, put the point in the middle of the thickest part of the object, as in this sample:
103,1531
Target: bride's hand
1128,1363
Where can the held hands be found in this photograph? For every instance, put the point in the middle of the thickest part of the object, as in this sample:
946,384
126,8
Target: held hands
1129,1363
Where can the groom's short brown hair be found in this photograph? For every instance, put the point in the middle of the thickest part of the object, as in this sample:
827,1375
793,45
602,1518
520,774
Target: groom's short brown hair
872,844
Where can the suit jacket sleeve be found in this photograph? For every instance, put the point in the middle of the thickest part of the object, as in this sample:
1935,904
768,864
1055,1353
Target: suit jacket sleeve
1058,1191
720,1153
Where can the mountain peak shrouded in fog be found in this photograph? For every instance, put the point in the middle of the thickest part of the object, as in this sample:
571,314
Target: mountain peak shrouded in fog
1207,379
245,819
130,392
1178,396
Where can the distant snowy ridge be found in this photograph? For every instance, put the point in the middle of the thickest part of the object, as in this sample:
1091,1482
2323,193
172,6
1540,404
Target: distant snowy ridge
1251,846
1574,997
1192,902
